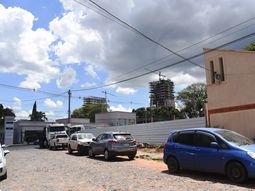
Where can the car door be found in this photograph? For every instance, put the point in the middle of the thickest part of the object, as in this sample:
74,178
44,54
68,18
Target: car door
73,142
184,149
97,143
208,158
102,143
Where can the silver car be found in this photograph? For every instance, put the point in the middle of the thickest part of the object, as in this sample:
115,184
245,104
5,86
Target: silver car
112,144
80,142
3,169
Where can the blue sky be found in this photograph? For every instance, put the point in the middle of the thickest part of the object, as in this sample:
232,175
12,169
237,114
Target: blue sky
50,46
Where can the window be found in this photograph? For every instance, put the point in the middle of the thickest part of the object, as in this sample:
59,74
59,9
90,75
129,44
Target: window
204,139
74,137
222,75
185,138
212,72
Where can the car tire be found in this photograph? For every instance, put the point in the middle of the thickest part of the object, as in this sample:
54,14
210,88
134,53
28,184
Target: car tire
131,157
80,150
4,176
91,154
173,165
70,151
107,155
236,172
55,147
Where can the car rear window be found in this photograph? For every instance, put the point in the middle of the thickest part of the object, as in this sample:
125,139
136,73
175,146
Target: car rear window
61,136
123,136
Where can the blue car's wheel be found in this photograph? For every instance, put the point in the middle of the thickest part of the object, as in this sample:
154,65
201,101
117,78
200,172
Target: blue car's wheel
173,165
236,172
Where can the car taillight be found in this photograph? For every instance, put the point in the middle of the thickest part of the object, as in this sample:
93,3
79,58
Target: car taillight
112,142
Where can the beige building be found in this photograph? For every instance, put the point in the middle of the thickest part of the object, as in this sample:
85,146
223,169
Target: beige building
230,77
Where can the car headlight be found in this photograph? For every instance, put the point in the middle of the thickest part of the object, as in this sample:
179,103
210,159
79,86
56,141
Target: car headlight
251,154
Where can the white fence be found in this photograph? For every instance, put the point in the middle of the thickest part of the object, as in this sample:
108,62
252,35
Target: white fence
153,133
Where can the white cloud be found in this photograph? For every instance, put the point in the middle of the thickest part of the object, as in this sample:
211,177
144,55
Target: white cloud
52,104
78,43
17,105
120,108
120,51
183,80
22,114
50,114
88,85
125,90
90,70
67,78
24,51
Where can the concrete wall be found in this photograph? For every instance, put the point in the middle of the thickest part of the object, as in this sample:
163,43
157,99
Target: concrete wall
153,133
231,103
116,118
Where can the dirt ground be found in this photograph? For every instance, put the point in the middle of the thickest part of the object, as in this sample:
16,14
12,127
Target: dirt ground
33,169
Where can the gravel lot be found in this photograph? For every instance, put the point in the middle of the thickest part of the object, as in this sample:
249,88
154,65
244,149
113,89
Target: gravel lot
33,169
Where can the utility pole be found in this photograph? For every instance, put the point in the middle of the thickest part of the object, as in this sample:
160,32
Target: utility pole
69,106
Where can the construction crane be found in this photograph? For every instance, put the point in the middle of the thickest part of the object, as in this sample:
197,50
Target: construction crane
107,93
160,76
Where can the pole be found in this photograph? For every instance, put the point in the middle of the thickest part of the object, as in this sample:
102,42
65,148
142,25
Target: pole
69,106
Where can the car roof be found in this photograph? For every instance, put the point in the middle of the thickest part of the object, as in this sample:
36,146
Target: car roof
207,129
116,132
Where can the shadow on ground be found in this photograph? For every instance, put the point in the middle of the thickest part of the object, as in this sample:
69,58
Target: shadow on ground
215,178
114,159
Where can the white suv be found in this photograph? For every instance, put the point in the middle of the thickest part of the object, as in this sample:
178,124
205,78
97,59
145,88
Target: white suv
80,142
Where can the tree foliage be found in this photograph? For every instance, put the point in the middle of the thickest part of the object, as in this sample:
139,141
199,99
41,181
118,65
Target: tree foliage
250,47
37,115
193,99
5,112
89,111
155,114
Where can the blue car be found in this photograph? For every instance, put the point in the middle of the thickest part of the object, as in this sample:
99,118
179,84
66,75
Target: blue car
211,150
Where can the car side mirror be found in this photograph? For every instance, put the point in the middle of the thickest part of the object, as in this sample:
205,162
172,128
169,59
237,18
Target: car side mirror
94,139
6,152
215,145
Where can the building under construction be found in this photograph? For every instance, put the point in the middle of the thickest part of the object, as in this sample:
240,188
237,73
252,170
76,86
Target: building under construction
94,100
162,93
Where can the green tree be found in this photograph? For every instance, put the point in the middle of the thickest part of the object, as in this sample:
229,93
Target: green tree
5,112
89,111
37,115
250,47
154,114
193,98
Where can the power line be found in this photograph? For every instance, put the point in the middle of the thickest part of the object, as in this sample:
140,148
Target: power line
171,65
33,90
131,28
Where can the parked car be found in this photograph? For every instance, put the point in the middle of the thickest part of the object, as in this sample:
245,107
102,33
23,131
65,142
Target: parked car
112,144
80,142
211,150
58,140
3,169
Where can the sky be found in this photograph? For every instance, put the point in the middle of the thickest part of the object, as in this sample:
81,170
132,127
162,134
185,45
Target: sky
48,47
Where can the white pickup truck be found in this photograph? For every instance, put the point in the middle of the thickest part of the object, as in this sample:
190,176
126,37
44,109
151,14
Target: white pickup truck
58,140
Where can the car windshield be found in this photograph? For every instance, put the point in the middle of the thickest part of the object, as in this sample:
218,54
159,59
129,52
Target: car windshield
85,136
123,136
61,136
57,128
235,138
